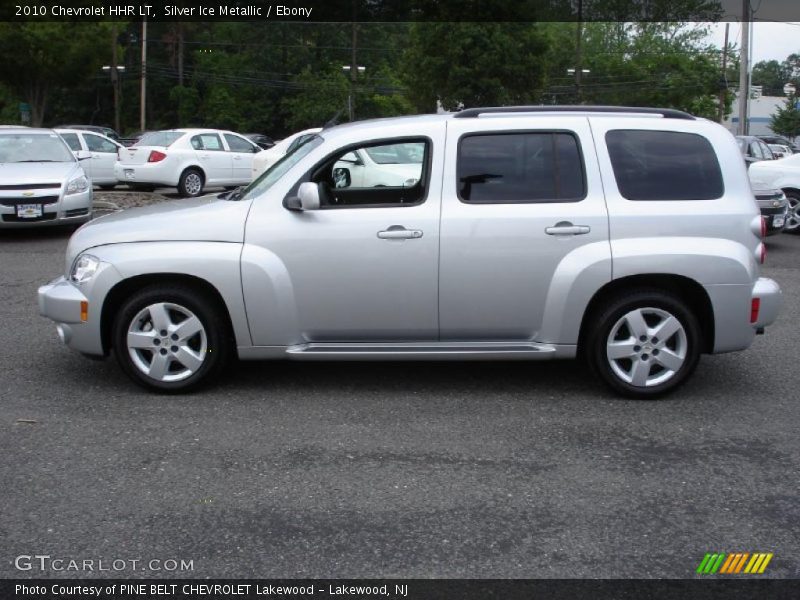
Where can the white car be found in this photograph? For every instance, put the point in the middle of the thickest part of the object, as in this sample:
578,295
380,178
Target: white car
783,174
266,158
100,167
779,150
393,165
188,159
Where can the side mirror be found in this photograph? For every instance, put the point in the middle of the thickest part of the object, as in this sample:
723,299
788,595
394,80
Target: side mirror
83,155
341,177
307,198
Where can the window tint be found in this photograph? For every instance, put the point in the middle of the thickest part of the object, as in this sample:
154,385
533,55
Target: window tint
207,141
766,152
520,167
237,144
72,141
664,165
378,174
755,150
98,144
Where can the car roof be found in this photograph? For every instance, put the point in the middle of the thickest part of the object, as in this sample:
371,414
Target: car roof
22,129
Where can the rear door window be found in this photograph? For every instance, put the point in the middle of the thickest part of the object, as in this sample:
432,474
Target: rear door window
524,167
664,165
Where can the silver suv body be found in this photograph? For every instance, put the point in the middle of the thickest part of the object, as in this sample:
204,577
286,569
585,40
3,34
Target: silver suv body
628,236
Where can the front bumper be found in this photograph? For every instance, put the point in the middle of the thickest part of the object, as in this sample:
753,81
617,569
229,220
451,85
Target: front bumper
770,299
775,218
61,300
72,209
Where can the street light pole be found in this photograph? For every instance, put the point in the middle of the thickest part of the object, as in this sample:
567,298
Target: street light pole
744,69
115,76
143,90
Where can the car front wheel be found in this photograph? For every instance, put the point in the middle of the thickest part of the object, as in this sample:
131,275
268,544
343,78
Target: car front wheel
645,343
793,216
171,338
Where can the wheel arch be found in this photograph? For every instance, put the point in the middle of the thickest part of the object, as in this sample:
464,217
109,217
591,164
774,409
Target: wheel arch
685,288
122,290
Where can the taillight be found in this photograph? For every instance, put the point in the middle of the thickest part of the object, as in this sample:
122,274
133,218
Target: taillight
763,228
763,254
755,306
156,156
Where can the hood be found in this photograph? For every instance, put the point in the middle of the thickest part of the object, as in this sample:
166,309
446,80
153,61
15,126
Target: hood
206,219
38,173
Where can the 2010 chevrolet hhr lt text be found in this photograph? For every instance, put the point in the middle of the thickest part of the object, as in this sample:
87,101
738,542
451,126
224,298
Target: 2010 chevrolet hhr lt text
629,237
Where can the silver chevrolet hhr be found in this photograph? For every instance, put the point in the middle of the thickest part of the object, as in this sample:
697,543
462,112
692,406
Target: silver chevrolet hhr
627,236
41,182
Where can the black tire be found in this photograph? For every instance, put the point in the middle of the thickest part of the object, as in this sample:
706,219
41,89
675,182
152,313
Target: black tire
187,186
609,315
794,213
218,346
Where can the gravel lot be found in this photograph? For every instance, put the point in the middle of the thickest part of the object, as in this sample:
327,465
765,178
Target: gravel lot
392,469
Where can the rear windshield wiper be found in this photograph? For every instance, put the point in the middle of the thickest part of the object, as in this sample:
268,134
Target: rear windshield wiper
30,161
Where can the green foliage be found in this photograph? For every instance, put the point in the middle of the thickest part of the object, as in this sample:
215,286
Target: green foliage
473,64
43,59
773,75
318,97
786,120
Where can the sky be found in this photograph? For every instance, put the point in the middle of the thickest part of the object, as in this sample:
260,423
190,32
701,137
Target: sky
771,41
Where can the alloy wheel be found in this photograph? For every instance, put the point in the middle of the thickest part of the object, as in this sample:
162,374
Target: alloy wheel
647,347
793,216
167,342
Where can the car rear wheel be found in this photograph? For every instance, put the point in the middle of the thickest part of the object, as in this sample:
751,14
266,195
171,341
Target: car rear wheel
191,183
793,216
171,338
645,343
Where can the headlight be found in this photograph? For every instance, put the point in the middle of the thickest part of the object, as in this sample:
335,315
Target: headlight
77,185
84,268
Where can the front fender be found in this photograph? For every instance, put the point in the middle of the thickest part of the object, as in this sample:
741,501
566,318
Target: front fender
214,262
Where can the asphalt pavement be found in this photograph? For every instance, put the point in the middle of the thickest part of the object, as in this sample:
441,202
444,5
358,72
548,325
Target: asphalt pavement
476,470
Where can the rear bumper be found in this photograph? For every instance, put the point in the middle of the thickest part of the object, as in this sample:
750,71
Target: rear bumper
147,173
770,299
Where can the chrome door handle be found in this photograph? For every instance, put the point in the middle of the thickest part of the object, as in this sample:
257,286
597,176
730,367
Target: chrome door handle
237,157
567,228
398,232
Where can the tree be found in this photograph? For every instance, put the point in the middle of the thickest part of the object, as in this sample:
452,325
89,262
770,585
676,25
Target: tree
473,64
40,57
786,120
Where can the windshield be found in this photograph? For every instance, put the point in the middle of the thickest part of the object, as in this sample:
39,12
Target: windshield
268,178
160,138
33,147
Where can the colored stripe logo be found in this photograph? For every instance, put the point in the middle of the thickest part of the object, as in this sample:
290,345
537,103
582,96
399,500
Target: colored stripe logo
734,563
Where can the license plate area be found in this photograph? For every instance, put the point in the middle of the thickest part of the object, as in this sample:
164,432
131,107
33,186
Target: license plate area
29,211
129,174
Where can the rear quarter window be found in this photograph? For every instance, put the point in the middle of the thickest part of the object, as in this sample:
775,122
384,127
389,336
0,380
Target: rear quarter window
664,165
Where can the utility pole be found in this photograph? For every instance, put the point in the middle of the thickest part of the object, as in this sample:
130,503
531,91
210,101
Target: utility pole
744,69
578,49
143,90
351,104
115,76
723,88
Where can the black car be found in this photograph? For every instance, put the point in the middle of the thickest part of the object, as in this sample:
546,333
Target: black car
779,139
262,141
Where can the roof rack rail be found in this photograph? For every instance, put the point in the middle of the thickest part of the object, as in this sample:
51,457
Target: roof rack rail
667,113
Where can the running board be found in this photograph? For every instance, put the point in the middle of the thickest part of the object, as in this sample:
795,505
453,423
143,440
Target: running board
422,351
